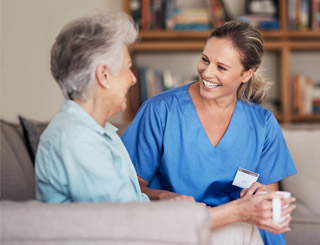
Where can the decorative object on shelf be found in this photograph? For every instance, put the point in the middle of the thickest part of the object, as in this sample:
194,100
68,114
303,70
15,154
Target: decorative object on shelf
305,95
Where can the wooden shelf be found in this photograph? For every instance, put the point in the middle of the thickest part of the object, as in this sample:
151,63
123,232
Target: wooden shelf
306,118
266,34
158,46
284,41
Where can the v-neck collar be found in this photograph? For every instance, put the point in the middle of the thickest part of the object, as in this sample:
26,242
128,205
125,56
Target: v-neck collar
226,138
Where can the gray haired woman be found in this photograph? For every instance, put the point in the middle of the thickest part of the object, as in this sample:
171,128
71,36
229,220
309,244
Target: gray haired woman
80,156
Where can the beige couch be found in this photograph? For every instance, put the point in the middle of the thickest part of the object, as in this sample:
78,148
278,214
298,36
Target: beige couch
25,221
304,145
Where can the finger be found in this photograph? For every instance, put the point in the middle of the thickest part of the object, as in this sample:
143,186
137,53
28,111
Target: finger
287,201
243,192
252,189
288,210
275,228
202,204
185,197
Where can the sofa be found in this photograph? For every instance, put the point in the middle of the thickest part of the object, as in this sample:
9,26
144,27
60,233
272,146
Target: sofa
27,221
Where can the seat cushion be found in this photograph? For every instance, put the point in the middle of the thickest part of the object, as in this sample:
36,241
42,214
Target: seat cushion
17,172
304,145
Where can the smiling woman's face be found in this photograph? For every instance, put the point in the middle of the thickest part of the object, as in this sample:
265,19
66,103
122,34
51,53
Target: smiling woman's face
121,82
220,69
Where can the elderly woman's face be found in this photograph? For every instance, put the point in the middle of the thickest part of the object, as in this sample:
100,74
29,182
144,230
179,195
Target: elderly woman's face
121,82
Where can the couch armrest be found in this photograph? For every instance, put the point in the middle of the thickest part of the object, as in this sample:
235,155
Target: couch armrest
108,223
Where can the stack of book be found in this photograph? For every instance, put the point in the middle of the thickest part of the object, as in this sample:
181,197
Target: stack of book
192,19
305,95
166,15
261,14
149,83
304,14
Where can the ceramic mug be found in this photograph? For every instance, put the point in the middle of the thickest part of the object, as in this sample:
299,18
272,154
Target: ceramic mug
277,208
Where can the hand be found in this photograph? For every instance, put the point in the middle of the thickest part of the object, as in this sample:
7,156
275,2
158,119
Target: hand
257,210
174,196
254,188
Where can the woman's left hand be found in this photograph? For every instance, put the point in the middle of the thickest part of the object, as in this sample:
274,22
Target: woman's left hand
254,188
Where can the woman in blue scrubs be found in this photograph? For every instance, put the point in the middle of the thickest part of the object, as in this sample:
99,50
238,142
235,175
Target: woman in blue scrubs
188,142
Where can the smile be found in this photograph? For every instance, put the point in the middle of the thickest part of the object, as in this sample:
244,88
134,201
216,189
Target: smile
210,84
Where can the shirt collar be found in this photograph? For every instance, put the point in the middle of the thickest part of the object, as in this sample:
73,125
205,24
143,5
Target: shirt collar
72,107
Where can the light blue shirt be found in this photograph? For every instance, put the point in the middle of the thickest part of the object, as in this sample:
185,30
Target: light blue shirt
80,161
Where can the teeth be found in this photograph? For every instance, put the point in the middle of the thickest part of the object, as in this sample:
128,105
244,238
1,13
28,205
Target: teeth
210,85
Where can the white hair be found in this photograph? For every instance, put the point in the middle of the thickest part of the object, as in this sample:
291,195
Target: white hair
86,42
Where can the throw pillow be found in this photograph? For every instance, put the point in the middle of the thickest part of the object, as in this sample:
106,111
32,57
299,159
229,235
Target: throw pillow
32,131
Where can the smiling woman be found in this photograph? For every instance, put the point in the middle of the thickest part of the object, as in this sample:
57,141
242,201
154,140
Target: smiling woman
80,157
194,138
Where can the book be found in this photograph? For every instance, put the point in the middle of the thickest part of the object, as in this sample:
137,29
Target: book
145,14
217,13
135,9
292,14
315,14
304,92
134,93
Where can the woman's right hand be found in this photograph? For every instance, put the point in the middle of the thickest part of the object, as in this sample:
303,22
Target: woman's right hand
257,210
166,195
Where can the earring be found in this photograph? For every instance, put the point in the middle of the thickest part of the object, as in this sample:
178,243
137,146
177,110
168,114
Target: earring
107,86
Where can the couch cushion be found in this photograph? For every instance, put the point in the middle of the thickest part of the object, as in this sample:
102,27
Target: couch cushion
158,223
32,131
17,172
304,145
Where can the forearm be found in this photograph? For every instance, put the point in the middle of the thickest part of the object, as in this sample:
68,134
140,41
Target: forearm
225,214
154,194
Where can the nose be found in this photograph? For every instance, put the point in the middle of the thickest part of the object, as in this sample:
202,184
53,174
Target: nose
134,79
209,71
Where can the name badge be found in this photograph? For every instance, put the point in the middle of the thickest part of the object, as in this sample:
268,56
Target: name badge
245,178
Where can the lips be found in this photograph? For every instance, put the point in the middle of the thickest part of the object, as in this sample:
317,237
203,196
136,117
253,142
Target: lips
210,85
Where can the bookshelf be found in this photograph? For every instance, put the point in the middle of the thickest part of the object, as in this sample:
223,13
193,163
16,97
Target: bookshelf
283,41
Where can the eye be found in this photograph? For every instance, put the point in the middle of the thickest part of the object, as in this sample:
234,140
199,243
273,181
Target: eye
221,68
205,60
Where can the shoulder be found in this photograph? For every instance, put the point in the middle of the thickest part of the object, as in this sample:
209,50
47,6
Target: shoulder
63,131
167,99
257,113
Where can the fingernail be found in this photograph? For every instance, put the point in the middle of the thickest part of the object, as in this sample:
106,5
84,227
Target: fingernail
294,206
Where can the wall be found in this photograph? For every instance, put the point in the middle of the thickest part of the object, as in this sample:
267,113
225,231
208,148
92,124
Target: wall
28,29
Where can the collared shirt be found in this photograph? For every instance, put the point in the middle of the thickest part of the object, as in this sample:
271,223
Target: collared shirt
79,161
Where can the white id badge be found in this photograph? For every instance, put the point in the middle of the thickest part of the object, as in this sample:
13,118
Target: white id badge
245,178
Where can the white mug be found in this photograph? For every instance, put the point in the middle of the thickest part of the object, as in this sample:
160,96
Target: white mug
276,207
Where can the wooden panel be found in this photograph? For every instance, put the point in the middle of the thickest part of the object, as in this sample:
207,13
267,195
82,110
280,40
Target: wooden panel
285,83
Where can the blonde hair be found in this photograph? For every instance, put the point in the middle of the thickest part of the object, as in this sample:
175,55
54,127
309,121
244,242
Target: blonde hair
249,43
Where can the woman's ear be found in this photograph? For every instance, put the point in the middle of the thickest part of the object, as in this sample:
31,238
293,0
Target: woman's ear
103,75
246,75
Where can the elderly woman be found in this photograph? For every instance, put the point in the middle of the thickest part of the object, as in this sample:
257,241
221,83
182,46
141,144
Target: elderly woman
80,156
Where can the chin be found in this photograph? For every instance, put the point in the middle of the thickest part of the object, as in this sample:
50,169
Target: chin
207,94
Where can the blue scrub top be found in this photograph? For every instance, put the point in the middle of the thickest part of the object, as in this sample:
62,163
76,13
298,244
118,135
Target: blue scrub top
169,148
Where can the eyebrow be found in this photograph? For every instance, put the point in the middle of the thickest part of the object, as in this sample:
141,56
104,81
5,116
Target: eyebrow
218,61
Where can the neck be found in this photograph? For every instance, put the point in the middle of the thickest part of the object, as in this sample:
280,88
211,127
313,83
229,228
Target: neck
96,109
